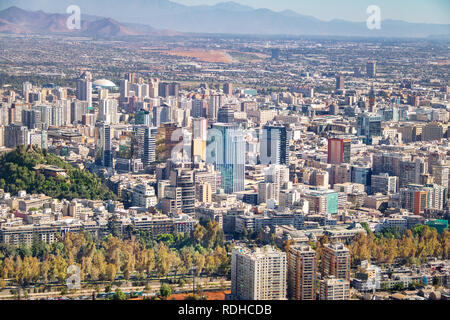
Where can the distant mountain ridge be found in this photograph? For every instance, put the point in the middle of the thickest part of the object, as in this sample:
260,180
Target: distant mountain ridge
226,18
19,21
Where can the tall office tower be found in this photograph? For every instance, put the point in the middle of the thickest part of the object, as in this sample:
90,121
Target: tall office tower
199,108
435,158
78,108
258,274
174,89
108,111
371,69
368,126
104,145
184,179
84,88
228,88
199,138
16,135
385,184
130,77
145,89
124,89
149,154
275,144
137,141
162,115
339,150
302,273
31,119
46,115
414,100
143,117
15,114
334,289
66,106
135,90
26,88
226,114
170,140
164,89
35,97
228,155
361,174
335,261
340,83
153,87
56,116
440,174
215,103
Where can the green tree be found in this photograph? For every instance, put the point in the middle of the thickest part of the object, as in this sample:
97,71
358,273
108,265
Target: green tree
165,291
119,295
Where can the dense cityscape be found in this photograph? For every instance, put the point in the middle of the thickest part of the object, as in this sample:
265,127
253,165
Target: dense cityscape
224,167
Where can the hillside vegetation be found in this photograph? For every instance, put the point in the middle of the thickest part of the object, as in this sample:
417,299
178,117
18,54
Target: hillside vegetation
17,173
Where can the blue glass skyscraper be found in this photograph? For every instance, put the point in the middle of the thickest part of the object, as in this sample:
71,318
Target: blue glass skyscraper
226,150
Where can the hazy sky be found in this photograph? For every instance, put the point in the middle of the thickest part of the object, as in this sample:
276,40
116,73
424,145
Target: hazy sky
428,11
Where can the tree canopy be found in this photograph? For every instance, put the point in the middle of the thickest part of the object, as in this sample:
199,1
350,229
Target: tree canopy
17,173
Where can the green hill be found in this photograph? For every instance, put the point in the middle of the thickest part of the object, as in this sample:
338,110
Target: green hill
17,173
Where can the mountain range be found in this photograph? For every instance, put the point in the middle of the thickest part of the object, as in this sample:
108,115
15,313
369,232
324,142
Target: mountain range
16,20
136,17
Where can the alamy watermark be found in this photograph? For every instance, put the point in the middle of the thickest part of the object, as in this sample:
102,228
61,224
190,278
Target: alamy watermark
74,20
74,280
374,20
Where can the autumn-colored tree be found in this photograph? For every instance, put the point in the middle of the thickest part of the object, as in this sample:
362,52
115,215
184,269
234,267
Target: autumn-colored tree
58,268
199,233
199,262
111,272
163,260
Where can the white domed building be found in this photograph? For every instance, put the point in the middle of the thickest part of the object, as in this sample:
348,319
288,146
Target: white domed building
103,84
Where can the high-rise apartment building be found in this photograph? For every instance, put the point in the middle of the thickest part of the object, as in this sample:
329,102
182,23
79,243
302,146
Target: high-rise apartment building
335,261
302,273
149,154
275,144
385,184
228,88
84,88
339,150
371,69
340,83
184,179
368,126
334,289
258,274
15,135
